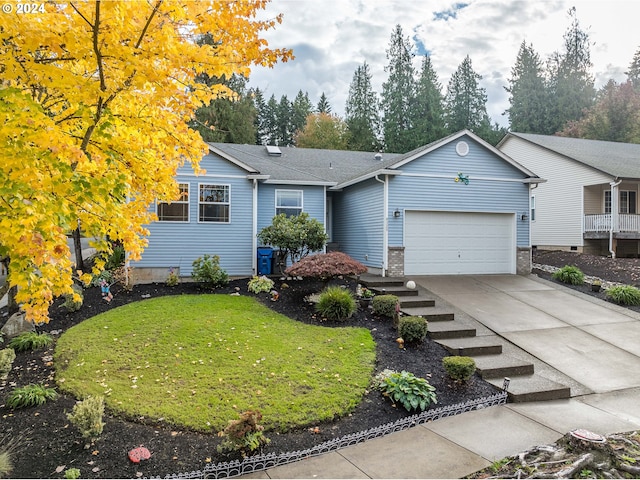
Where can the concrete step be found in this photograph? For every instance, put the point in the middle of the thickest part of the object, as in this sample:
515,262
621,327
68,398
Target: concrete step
472,346
399,291
500,366
532,388
416,301
452,329
370,281
431,314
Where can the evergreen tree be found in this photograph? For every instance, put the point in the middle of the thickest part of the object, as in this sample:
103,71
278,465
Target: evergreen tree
633,75
428,105
230,118
261,122
362,112
466,101
323,105
271,135
284,116
323,130
571,84
528,93
398,94
301,109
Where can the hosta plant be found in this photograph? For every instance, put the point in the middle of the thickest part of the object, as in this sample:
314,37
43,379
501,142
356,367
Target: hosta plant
260,284
412,392
30,396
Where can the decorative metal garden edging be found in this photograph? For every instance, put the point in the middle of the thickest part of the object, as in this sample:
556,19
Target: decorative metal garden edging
262,462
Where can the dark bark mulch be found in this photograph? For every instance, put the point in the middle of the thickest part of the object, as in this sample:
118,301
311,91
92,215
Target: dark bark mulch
48,443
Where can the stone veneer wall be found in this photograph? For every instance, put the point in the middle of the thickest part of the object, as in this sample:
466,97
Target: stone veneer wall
523,261
396,262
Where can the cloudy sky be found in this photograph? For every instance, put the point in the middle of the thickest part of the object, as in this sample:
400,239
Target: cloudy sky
331,38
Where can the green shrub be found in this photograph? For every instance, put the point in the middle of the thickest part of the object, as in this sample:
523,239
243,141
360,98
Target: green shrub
116,258
72,473
385,305
459,368
260,284
8,446
172,279
412,329
30,396
207,270
624,295
412,392
243,435
73,301
30,341
7,356
569,274
336,303
87,415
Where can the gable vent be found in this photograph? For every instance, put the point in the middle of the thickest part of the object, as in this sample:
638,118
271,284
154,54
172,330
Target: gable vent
274,150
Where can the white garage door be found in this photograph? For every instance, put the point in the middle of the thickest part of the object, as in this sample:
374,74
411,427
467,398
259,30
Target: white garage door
454,243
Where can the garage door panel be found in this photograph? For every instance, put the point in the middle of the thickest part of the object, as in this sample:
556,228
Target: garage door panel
438,243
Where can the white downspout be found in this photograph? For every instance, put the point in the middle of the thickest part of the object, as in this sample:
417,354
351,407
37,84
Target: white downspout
614,212
385,237
254,262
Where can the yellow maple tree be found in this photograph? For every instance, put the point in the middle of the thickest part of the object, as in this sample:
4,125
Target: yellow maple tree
94,102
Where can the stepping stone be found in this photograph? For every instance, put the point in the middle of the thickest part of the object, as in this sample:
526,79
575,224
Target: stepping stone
431,314
472,346
443,330
533,388
500,366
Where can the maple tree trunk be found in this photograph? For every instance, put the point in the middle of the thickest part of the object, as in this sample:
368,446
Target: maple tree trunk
77,245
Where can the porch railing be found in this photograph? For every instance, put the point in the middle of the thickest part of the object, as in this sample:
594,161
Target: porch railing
602,223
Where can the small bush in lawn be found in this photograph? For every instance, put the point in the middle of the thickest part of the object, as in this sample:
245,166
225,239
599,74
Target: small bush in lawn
72,473
624,295
87,415
412,392
243,435
73,301
207,270
459,368
30,341
7,356
30,396
385,305
569,274
260,284
412,329
336,303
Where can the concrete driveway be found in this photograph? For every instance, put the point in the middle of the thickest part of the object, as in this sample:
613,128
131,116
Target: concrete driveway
595,343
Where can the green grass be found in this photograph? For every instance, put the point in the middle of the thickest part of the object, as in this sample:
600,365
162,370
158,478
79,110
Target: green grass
199,360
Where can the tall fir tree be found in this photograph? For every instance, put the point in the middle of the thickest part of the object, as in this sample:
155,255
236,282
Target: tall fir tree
269,119
466,101
261,121
228,118
428,105
528,96
301,109
571,84
398,94
284,116
633,75
362,112
323,104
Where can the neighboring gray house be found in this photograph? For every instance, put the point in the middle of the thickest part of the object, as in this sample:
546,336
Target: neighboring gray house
590,200
455,206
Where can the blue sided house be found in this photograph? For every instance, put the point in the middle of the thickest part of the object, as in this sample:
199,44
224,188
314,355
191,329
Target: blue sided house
455,206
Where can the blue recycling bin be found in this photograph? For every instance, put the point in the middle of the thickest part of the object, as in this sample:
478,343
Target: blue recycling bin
265,260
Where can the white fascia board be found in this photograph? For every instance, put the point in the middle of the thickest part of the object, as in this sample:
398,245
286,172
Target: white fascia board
300,182
231,159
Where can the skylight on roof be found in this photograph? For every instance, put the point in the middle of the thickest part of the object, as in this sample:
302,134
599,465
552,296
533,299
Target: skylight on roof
274,150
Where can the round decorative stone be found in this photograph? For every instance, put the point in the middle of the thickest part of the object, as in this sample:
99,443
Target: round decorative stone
411,285
138,454
587,436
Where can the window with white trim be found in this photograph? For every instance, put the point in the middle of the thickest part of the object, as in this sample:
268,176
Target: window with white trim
626,203
289,202
214,203
176,211
533,208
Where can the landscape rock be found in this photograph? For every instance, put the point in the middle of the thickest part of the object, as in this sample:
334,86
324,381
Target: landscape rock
16,324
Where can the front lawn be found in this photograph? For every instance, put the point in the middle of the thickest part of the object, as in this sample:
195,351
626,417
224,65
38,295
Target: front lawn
198,360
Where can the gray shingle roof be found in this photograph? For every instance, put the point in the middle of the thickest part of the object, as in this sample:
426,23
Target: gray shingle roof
307,165
621,160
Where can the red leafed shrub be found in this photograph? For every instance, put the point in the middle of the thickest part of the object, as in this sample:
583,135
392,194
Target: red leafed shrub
325,266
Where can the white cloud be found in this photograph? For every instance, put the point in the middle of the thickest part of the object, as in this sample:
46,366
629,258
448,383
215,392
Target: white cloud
330,39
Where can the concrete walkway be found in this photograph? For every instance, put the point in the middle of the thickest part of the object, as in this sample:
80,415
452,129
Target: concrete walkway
593,345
